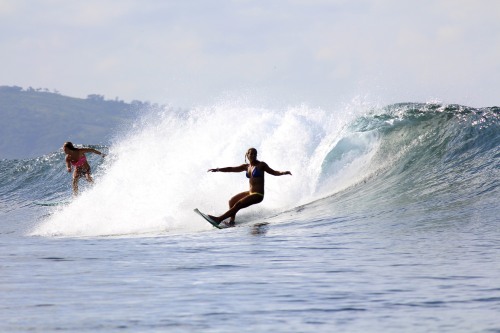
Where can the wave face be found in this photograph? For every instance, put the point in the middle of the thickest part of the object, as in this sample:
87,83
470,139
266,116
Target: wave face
432,161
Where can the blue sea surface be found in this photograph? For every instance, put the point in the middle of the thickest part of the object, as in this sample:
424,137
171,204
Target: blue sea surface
389,224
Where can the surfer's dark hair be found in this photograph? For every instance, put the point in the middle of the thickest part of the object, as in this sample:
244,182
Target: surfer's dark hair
69,145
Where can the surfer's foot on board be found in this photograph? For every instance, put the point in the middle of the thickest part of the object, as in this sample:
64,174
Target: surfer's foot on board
216,219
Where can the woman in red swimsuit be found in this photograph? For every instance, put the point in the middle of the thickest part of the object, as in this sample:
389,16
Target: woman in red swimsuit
75,157
255,170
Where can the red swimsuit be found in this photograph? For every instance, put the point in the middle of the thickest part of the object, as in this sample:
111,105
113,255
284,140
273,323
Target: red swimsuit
80,162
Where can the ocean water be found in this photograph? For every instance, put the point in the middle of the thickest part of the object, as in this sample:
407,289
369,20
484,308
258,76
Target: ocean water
390,223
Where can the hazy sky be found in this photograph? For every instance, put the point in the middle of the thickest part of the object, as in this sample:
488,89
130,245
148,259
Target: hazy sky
318,52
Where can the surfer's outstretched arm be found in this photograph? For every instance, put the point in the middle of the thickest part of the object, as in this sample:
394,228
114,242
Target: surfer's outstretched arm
270,171
240,168
92,150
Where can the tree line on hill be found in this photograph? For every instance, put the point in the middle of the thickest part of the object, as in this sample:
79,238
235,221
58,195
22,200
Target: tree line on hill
34,122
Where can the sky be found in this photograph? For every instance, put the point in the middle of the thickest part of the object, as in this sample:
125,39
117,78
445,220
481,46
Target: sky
316,52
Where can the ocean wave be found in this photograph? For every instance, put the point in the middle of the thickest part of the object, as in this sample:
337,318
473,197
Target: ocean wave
156,174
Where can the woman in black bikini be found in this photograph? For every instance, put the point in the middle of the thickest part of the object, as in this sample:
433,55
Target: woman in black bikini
75,157
255,173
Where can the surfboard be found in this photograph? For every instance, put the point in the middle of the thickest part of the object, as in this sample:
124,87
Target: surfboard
208,219
52,203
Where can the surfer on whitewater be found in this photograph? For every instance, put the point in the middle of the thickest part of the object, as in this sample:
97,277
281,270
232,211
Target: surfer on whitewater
255,170
75,157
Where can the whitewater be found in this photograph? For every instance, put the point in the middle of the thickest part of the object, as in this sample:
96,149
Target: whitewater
389,223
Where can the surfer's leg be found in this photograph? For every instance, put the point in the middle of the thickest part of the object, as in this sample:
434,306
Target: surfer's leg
85,171
249,200
89,177
233,202
76,177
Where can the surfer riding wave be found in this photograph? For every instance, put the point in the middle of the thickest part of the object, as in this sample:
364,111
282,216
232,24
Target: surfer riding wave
75,157
255,170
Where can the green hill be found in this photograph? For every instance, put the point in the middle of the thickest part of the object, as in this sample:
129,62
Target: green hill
37,122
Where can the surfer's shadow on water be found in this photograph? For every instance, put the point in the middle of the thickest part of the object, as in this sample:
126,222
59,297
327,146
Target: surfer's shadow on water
259,229
254,229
